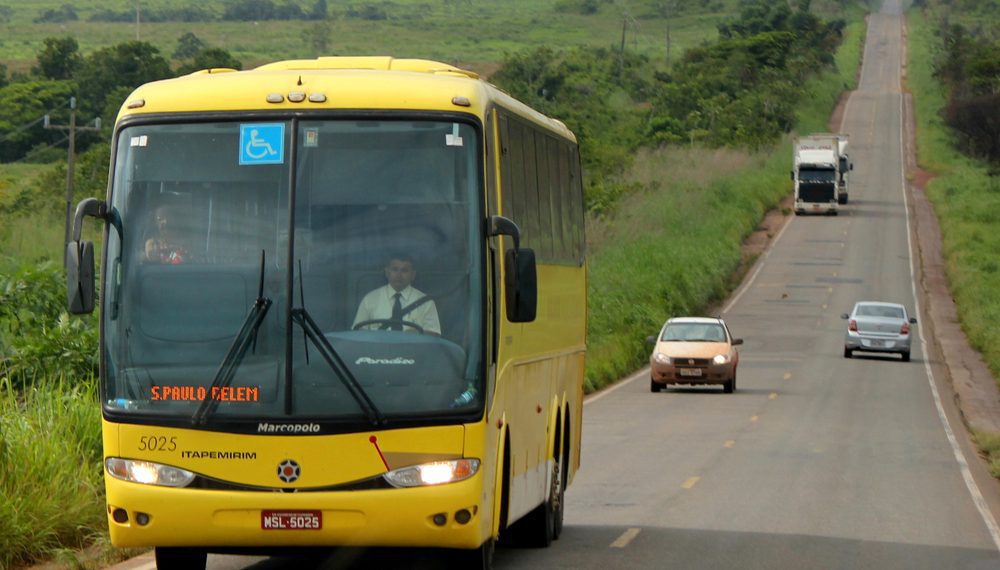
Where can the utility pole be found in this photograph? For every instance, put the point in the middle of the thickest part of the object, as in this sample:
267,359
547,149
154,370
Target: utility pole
69,162
621,51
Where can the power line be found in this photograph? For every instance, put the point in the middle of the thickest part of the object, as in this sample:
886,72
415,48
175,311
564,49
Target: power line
72,128
30,124
36,150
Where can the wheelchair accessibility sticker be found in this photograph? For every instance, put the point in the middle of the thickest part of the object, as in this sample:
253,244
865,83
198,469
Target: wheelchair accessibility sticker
262,143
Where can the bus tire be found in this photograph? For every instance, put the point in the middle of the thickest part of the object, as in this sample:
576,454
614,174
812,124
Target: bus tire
478,558
180,558
538,528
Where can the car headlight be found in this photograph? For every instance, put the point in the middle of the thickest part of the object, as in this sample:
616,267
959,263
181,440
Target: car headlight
720,358
661,358
147,472
437,473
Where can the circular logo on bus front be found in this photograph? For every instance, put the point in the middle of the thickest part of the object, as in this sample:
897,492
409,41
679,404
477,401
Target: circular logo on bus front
289,471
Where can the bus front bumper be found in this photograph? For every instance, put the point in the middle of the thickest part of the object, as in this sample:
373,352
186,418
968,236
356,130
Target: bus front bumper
387,517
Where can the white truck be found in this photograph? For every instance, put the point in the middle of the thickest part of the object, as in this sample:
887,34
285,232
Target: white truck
820,185
844,167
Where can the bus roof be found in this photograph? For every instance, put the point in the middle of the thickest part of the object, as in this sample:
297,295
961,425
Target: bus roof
329,83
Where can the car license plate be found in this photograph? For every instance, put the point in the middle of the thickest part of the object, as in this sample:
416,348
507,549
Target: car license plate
291,520
690,372
877,343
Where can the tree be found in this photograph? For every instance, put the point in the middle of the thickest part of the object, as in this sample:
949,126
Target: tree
128,64
319,10
210,58
65,13
22,106
188,46
59,58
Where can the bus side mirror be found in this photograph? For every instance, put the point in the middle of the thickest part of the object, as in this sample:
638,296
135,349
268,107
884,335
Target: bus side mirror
522,285
521,277
80,277
80,258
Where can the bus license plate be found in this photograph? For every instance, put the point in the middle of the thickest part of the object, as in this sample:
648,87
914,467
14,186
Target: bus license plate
690,372
291,520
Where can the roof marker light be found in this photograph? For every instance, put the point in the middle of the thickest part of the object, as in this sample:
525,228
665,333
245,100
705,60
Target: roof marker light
461,101
136,103
275,97
317,98
296,96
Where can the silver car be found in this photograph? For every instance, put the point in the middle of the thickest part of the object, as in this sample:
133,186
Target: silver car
878,327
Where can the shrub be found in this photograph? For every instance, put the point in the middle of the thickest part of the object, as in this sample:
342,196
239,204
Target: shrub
38,338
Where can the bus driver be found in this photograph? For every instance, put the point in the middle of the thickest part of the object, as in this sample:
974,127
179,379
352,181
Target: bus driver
397,303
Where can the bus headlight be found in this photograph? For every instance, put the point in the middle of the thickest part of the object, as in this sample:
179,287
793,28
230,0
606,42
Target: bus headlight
436,473
147,472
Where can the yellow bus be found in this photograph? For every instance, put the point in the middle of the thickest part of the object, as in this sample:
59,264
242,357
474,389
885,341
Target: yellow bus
262,384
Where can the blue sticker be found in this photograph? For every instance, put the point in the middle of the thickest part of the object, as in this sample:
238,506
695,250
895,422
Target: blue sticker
262,143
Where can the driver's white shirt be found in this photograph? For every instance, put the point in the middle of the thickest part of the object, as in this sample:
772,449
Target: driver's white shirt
377,304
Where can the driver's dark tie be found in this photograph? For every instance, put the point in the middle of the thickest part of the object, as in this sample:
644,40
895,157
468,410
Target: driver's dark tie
397,314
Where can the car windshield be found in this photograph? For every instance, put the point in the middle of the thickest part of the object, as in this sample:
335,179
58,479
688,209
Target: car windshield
879,311
694,332
282,237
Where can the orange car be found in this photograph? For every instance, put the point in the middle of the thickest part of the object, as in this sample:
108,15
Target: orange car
694,350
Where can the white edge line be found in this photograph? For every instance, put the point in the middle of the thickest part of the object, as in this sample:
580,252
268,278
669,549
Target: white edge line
963,465
760,265
594,397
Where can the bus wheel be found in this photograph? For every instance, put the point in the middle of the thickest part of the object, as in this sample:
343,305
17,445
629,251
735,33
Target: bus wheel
538,528
479,558
168,558
558,492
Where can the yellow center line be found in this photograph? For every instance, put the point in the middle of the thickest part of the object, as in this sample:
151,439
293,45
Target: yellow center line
729,443
754,418
773,396
788,375
626,537
691,482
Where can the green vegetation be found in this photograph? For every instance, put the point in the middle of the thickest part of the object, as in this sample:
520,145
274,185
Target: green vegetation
469,32
51,483
965,193
664,137
671,247
989,447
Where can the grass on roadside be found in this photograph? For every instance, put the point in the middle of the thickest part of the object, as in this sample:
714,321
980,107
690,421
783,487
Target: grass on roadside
989,446
966,199
50,484
671,249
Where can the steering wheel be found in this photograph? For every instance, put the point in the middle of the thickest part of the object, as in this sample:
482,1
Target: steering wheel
390,322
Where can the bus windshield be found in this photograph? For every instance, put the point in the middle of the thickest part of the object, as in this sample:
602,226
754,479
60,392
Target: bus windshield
344,256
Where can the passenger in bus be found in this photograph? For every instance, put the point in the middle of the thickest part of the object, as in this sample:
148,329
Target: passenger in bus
397,303
166,247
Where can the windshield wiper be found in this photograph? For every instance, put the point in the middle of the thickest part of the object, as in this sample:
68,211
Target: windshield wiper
315,334
237,351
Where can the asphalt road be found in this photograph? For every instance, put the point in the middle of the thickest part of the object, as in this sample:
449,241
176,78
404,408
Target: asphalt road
816,461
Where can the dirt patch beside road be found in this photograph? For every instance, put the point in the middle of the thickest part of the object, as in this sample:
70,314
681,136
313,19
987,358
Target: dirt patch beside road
975,388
